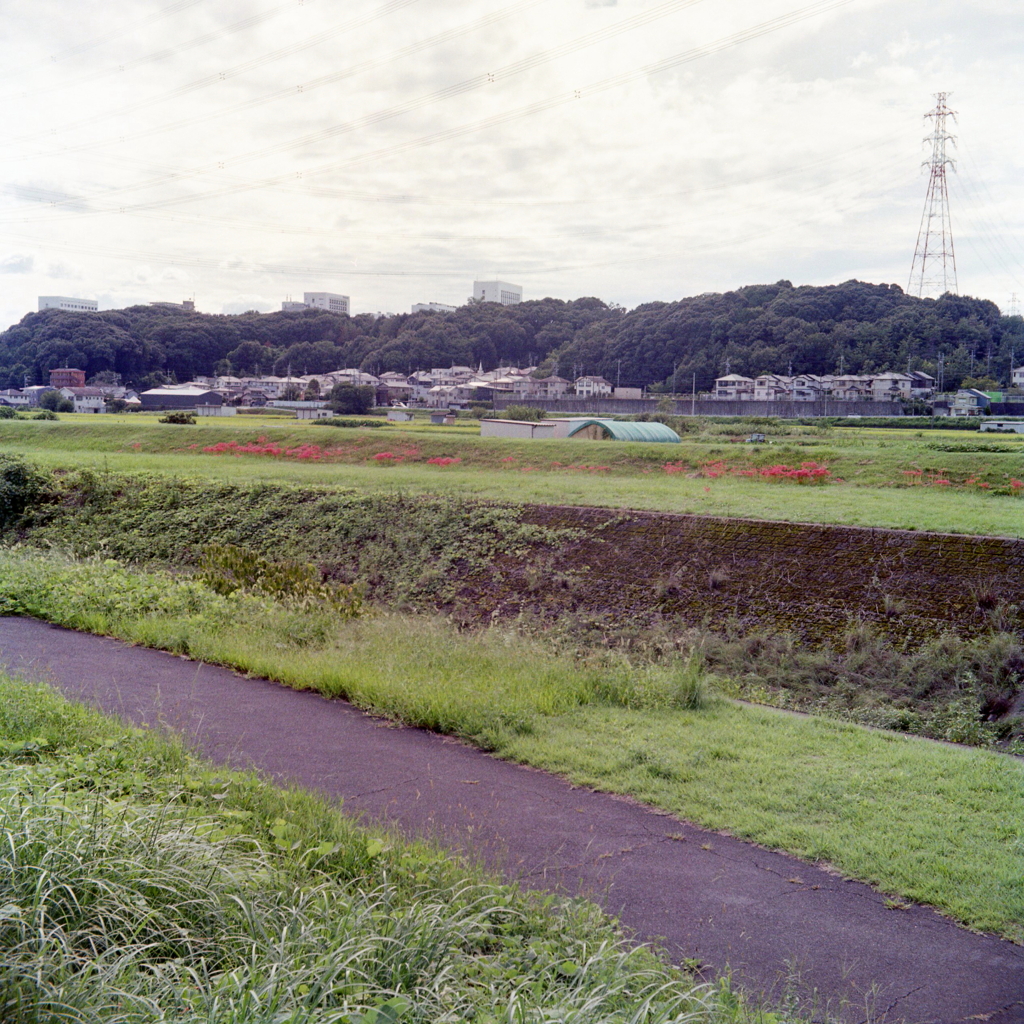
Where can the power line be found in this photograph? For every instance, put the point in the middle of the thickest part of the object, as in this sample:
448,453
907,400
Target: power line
304,88
168,51
391,7
125,29
482,124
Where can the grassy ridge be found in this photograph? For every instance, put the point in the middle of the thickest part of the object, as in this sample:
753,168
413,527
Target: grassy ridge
925,821
142,885
885,473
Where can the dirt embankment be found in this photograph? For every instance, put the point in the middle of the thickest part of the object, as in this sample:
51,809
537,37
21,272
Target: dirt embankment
808,580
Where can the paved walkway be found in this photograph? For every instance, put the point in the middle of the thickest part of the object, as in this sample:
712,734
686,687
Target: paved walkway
727,903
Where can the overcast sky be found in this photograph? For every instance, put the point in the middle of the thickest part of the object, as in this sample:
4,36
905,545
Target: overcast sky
244,151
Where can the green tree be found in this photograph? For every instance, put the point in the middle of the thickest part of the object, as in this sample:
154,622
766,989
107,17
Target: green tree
345,399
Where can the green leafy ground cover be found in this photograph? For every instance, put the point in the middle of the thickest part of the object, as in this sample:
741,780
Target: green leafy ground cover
142,884
926,821
889,477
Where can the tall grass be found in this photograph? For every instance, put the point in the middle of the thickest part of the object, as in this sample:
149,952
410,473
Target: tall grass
141,886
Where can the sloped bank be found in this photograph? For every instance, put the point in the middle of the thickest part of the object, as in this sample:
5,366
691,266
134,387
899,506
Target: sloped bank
891,627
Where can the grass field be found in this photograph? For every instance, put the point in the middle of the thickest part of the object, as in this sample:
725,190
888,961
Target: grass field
927,821
877,477
142,885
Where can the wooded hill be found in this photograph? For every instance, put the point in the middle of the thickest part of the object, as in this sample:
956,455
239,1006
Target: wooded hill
854,327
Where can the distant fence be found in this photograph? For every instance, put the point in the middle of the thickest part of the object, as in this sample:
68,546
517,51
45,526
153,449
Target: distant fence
705,407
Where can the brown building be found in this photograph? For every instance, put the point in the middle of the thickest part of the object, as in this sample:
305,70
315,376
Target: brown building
67,377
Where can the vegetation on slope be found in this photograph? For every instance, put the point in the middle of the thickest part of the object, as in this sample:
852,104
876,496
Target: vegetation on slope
855,326
928,821
867,641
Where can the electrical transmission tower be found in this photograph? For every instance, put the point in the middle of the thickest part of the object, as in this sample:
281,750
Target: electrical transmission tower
933,271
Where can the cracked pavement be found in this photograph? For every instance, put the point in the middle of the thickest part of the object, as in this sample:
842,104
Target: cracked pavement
777,923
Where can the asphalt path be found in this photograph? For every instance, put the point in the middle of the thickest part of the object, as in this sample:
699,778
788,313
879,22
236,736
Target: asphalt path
778,924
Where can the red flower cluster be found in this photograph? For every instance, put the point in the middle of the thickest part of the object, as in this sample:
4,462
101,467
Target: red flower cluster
304,452
806,472
442,460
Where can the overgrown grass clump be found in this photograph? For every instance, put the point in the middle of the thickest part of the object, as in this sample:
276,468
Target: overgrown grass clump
141,885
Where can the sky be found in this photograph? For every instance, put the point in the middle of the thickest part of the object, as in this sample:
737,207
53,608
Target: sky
241,152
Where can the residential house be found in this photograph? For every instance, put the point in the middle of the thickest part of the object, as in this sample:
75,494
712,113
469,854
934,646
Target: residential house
891,387
593,387
972,402
734,386
552,387
771,387
922,385
14,398
85,399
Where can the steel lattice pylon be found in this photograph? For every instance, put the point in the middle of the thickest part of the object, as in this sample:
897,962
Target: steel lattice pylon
933,271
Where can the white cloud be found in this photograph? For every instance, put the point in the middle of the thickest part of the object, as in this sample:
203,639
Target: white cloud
794,154
16,264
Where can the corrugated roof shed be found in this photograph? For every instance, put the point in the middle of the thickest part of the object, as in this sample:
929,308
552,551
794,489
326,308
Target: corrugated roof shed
621,430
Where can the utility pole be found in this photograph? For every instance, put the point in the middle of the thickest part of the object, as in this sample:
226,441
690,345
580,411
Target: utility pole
693,399
933,271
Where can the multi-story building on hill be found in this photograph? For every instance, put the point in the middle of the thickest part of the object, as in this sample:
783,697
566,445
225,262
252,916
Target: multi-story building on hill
67,303
498,291
331,301
433,307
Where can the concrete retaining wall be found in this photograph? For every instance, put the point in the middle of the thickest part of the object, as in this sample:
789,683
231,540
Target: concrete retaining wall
706,407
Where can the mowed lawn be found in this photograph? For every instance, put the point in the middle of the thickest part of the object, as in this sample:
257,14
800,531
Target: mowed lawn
884,474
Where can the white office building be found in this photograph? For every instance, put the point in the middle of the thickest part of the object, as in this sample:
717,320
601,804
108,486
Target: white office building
433,307
498,291
65,302
330,301
326,300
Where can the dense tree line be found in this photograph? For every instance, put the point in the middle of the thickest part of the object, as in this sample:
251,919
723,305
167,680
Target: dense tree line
855,327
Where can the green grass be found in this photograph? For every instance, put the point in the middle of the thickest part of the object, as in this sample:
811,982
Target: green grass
142,885
873,464
922,820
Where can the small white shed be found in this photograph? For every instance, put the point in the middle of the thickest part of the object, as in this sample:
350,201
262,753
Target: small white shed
517,428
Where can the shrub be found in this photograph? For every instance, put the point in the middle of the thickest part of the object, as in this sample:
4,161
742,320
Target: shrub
337,421
6,412
524,412
226,568
181,418
20,486
45,414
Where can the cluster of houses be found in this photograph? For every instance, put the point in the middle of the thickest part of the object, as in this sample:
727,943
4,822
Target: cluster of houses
462,386
70,384
440,388
809,387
